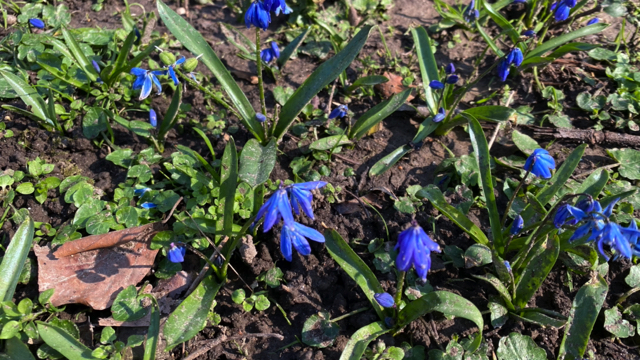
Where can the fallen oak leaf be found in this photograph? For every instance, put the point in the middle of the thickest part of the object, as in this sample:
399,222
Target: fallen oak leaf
393,86
94,278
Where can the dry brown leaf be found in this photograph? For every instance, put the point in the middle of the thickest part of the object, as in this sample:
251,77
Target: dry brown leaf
393,86
94,278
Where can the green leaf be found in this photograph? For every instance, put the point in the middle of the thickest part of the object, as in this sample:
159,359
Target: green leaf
257,162
288,51
524,142
594,183
138,58
29,95
118,66
318,331
190,317
120,157
629,160
378,113
228,185
191,39
16,349
321,77
389,160
153,333
519,347
492,44
428,65
633,279
330,142
353,265
63,342
500,287
171,116
447,303
25,188
504,24
425,128
79,55
55,71
367,81
480,147
613,323
539,263
584,312
15,258
477,255
94,122
562,39
435,196
492,113
359,341
540,318
127,306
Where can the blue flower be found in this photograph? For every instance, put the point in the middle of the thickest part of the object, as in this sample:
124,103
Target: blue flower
136,32
449,69
517,225
567,215
440,115
437,85
176,253
271,53
153,119
588,205
415,250
529,33
145,79
172,72
97,67
297,234
36,23
339,112
611,235
452,79
563,9
287,10
274,209
503,69
513,57
593,21
140,192
540,163
519,1
301,196
632,235
470,14
508,266
260,117
148,205
257,15
385,300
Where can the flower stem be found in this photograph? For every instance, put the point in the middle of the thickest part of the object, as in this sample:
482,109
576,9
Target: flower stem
399,286
513,197
215,97
349,314
259,66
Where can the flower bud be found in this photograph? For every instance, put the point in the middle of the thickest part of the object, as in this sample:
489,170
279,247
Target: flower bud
167,58
190,65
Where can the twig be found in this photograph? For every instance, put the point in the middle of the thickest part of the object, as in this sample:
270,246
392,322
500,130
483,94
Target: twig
205,346
346,159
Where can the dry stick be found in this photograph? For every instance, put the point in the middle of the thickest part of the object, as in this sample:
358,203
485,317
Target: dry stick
359,201
205,346
497,129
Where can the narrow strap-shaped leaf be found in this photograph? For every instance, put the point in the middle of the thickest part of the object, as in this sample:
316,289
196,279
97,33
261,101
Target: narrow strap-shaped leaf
389,160
288,51
377,113
447,303
118,66
353,265
28,94
78,54
321,77
594,183
153,333
565,38
502,22
16,349
61,48
562,50
64,77
434,195
428,65
203,161
425,129
539,263
228,184
62,342
368,81
360,340
480,147
14,259
584,312
562,175
489,40
499,286
137,59
171,116
190,317
194,42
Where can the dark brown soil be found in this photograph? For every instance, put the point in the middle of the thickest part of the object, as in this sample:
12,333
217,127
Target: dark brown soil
316,282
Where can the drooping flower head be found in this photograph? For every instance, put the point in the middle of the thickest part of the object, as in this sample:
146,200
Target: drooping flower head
514,57
274,209
148,205
517,225
145,80
540,164
567,215
297,234
36,23
339,112
562,9
529,33
176,253
593,21
470,13
450,69
271,53
96,66
153,118
415,250
140,192
452,79
301,196
436,85
260,117
385,300
257,15
172,71
440,115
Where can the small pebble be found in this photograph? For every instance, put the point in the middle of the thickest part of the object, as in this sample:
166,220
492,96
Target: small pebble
181,11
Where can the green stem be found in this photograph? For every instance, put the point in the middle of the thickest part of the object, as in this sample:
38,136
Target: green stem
399,287
513,197
349,314
215,97
259,65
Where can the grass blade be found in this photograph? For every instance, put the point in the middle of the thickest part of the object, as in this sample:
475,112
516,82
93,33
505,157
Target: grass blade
502,22
153,333
28,94
321,77
389,160
194,42
14,259
377,113
292,47
562,39
428,65
171,116
118,66
79,55
228,184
